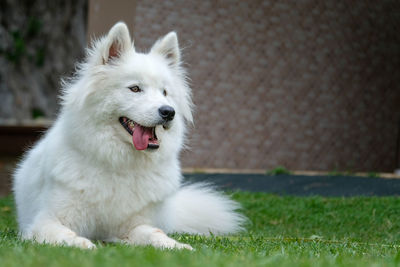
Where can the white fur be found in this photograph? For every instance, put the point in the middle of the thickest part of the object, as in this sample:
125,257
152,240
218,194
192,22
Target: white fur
84,179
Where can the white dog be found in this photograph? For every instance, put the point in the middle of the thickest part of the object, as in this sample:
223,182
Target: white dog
108,169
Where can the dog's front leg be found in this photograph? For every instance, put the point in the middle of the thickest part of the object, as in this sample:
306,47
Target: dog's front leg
148,235
47,229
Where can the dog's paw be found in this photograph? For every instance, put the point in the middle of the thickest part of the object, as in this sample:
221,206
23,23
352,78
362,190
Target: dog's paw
165,242
82,242
145,235
183,246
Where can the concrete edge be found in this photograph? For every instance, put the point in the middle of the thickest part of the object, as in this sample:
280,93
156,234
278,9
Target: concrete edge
298,172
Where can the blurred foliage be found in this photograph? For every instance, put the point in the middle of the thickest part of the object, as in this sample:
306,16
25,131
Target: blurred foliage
278,171
24,38
37,113
373,175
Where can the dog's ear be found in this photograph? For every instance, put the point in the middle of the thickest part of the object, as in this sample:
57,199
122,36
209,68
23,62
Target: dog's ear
168,47
117,42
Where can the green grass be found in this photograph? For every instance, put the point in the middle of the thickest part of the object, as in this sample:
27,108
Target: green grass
283,231
278,171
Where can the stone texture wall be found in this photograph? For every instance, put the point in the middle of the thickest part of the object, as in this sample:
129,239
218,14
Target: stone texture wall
303,84
40,42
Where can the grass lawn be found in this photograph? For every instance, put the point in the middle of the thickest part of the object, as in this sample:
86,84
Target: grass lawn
284,231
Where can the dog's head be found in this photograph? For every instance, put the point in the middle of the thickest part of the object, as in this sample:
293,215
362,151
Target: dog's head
136,98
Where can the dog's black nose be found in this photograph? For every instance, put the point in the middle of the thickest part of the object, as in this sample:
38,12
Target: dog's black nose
167,113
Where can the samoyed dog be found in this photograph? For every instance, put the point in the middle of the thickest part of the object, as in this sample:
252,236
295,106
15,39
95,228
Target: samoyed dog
108,169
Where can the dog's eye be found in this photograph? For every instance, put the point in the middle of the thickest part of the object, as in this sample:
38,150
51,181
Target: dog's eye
135,89
165,92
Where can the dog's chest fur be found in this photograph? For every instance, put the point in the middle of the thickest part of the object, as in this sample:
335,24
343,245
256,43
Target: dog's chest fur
103,201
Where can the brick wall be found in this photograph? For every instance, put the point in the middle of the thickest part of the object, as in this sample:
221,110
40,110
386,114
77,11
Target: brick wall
304,84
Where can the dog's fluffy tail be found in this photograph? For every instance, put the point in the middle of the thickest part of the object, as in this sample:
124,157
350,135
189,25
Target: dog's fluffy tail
199,209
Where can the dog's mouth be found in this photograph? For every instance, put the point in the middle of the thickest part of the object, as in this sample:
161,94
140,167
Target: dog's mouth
142,137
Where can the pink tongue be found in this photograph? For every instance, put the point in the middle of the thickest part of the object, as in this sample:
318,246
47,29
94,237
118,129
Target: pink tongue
141,136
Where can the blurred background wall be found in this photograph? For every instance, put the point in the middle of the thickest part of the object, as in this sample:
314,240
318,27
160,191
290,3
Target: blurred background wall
40,42
309,85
